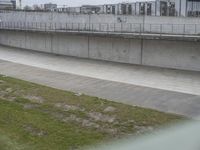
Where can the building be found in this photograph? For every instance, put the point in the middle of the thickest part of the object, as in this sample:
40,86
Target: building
50,7
14,3
193,8
7,4
155,8
90,9
69,9
149,8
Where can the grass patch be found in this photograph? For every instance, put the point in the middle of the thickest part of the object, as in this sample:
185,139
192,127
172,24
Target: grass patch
37,117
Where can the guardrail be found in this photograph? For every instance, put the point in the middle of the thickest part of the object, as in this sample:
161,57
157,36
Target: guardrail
172,29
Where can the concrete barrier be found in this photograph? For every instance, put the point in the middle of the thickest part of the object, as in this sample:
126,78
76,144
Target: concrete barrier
171,25
160,53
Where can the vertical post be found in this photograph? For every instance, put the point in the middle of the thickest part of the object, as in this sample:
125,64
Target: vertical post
150,28
31,25
78,27
25,25
121,27
184,29
131,28
161,29
195,28
140,28
107,27
92,27
100,27
36,25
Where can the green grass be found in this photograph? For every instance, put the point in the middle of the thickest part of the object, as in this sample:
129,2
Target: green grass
36,117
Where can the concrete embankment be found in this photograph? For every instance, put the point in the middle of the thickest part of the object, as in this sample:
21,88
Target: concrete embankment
155,52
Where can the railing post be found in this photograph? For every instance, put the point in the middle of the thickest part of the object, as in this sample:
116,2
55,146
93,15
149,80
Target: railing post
100,27
24,26
184,29
195,28
40,26
45,26
161,29
78,27
92,27
150,29
131,27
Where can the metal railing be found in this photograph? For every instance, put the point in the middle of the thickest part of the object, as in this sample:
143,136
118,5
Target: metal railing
122,28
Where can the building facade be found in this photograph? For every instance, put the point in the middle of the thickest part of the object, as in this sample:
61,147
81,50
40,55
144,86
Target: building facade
50,7
155,8
7,4
190,8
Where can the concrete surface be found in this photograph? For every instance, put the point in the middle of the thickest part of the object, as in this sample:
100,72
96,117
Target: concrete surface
192,23
162,53
166,79
166,90
162,100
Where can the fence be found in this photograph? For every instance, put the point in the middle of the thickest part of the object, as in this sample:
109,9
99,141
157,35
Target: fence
174,29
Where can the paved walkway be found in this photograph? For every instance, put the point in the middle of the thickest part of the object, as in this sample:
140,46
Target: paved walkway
166,90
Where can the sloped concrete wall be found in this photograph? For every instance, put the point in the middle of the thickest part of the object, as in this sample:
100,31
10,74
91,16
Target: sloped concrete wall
14,39
70,45
160,53
172,54
38,41
115,49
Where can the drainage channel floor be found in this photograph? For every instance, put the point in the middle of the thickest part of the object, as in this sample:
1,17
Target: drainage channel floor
163,100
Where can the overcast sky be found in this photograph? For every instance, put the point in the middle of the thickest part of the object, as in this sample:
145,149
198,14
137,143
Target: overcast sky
74,2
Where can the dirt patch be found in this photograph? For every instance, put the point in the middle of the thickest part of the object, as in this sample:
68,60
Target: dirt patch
83,122
9,90
67,107
4,95
30,106
143,129
78,94
109,109
1,81
34,99
34,131
101,117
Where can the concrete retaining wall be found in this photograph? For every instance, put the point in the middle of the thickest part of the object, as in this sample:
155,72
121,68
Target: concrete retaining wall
104,22
172,54
115,49
15,16
168,54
